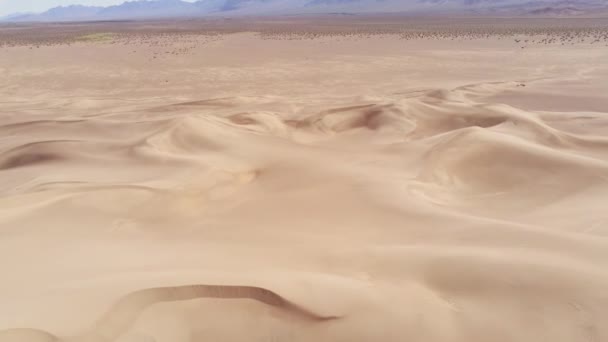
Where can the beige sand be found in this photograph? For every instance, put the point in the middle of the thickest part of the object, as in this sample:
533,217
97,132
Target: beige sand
337,189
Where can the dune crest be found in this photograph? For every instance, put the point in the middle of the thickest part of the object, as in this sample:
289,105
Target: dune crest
122,314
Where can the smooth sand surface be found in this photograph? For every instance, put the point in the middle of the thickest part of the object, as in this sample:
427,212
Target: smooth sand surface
336,189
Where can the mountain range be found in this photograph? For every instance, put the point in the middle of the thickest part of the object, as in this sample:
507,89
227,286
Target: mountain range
142,9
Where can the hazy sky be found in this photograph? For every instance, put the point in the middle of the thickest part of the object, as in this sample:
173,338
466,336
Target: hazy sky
12,6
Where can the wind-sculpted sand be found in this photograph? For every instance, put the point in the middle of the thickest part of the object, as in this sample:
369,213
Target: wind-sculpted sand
122,315
328,189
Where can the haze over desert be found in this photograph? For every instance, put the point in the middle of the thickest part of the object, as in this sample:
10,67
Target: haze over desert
304,178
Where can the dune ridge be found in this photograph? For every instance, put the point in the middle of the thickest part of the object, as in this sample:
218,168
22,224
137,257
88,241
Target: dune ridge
122,314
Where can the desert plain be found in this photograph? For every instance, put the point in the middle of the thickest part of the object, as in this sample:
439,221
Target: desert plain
332,178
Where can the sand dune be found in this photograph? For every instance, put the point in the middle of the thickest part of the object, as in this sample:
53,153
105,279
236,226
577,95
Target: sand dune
122,315
332,189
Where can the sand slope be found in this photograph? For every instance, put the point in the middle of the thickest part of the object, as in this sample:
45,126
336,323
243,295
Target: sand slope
326,190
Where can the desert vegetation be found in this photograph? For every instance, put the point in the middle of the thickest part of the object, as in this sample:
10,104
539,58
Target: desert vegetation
524,32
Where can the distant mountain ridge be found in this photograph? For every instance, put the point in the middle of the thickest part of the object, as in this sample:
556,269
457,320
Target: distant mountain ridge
141,9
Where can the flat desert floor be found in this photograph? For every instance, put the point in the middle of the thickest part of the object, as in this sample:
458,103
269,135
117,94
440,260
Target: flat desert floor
275,185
